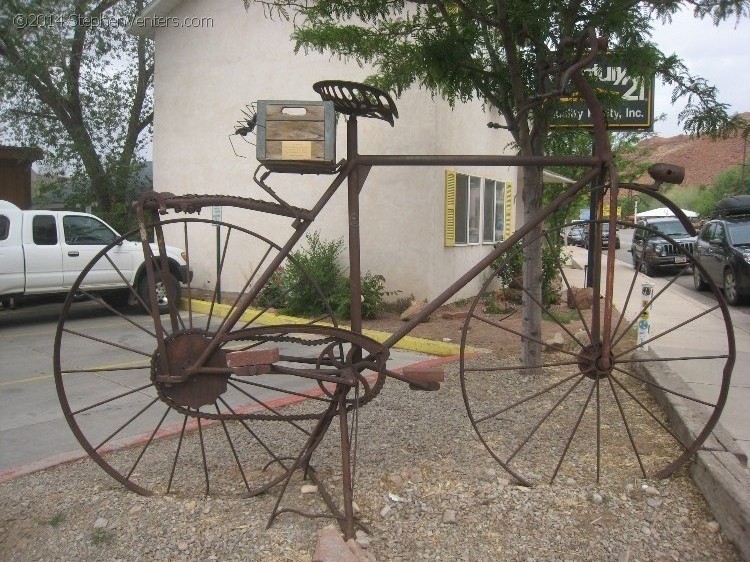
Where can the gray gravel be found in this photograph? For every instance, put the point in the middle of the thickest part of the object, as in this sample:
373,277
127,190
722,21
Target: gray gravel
425,486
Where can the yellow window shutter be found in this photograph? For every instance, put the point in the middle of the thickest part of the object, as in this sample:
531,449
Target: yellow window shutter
450,208
508,208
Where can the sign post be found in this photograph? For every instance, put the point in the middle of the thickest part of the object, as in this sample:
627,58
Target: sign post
644,320
216,217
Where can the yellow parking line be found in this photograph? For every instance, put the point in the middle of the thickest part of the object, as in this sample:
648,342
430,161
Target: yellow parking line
44,377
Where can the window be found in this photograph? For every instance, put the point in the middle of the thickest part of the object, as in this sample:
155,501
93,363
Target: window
494,211
80,230
475,210
44,230
4,227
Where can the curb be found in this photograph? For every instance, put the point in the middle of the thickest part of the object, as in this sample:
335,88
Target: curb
408,343
719,468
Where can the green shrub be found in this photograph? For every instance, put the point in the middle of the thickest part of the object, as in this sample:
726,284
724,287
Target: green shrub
373,295
509,270
320,260
291,290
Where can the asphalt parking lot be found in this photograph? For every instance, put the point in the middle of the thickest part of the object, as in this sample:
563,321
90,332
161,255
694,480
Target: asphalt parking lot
34,432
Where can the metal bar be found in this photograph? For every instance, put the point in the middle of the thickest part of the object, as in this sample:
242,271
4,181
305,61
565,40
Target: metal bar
475,160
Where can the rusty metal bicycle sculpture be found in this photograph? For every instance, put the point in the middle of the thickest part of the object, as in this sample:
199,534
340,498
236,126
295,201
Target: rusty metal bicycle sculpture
248,404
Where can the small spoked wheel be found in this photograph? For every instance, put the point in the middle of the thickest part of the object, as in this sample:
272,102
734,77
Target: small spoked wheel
598,397
129,391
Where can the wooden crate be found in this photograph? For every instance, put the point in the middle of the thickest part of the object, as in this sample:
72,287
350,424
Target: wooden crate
297,136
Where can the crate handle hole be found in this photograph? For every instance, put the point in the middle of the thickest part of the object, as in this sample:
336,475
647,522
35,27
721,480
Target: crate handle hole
295,111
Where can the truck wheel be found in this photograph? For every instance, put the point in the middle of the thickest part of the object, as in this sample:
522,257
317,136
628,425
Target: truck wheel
162,293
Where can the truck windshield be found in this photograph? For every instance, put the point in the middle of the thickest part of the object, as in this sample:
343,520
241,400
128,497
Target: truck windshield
670,228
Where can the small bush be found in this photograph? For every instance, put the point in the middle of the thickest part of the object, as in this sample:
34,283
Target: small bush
373,295
291,290
509,269
320,260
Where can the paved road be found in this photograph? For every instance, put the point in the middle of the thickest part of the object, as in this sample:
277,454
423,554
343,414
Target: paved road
705,334
32,426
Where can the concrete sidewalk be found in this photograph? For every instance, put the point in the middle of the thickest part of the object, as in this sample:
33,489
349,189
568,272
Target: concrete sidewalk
720,469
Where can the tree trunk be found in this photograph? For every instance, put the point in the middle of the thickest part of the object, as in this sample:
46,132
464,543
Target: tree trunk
531,348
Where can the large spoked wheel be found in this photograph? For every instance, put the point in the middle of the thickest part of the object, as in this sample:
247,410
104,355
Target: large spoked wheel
125,386
576,413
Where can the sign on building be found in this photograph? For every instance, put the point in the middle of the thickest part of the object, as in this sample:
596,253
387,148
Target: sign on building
627,100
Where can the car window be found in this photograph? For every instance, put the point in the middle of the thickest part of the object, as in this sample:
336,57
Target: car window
44,230
739,232
81,230
707,232
4,227
719,232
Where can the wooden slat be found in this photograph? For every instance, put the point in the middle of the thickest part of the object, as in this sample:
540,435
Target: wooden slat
295,130
274,151
275,112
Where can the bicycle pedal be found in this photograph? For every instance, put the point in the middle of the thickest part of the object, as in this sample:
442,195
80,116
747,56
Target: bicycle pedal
252,362
424,378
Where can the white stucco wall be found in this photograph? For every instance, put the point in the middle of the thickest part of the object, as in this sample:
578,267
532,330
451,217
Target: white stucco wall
204,78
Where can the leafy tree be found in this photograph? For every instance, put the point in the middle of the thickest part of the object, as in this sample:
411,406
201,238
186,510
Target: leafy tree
509,54
74,83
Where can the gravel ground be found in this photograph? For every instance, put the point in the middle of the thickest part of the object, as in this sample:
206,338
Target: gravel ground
425,486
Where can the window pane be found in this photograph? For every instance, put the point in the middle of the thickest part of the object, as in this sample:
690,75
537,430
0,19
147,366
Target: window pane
4,227
44,230
488,220
475,205
86,230
499,211
462,208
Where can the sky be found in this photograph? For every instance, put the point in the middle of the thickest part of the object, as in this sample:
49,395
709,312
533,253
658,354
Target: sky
720,54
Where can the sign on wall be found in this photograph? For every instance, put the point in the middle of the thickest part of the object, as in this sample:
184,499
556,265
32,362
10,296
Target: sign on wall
627,100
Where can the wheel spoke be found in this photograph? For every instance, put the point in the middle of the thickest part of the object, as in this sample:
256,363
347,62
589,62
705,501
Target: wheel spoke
572,434
666,332
649,412
116,312
127,423
267,407
279,389
177,453
105,342
627,427
203,456
187,265
112,399
517,333
215,295
519,367
560,324
664,389
148,443
231,447
546,416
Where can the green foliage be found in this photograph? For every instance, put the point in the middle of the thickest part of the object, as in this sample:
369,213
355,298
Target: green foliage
373,296
702,200
508,269
290,288
57,519
101,537
82,93
320,261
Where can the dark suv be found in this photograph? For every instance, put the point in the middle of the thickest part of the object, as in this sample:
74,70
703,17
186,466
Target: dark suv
723,249
652,252
605,237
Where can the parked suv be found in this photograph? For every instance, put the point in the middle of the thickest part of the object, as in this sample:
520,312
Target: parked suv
652,253
605,236
723,249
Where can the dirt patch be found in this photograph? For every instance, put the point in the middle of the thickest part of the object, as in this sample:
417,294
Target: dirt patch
448,322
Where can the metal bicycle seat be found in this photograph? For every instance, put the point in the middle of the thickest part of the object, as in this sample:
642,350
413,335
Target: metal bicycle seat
354,98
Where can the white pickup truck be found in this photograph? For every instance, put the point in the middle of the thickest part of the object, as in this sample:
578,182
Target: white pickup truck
43,252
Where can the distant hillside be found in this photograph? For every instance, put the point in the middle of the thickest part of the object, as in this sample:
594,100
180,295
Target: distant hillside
702,158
